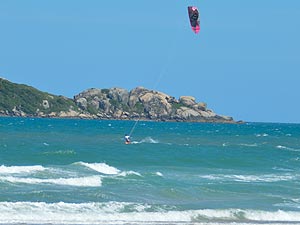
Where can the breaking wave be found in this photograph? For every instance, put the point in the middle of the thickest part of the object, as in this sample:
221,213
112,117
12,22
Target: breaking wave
101,168
60,152
128,173
133,213
159,174
20,169
287,148
91,181
249,145
250,178
107,170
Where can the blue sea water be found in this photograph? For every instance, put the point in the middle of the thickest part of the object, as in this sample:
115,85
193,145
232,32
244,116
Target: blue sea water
68,171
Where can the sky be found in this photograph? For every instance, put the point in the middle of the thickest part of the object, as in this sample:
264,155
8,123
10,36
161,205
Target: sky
245,62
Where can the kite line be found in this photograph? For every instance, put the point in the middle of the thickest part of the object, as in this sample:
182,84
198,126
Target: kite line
169,59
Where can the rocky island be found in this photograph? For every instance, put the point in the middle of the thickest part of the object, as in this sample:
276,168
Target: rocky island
114,103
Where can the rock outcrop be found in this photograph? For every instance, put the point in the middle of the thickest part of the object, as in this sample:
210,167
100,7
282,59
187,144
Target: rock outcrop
113,103
118,103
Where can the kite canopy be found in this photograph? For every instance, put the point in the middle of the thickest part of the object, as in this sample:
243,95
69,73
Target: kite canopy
194,18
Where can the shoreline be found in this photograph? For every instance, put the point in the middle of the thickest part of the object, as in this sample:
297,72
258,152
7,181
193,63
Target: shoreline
120,119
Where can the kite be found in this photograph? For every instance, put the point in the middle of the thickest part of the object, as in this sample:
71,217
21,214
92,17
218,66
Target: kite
194,18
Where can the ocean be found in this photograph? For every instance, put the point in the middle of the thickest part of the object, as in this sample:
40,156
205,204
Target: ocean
72,171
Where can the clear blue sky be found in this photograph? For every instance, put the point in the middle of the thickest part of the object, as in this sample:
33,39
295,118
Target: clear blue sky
244,63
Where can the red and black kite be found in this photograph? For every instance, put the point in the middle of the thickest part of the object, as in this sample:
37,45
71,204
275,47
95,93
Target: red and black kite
194,18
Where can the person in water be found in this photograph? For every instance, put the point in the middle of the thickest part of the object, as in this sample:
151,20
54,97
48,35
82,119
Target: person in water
127,139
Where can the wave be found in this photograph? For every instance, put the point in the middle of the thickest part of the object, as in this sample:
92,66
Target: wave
60,152
250,178
20,169
287,148
128,173
133,213
101,168
91,181
282,169
146,140
291,203
262,135
249,145
159,174
241,144
108,170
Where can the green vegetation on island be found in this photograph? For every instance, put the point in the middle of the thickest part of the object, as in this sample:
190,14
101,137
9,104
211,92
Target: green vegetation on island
113,103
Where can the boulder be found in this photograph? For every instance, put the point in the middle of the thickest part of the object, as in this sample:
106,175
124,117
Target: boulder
118,114
207,114
85,116
185,113
70,113
18,112
82,103
119,94
156,104
135,94
104,104
187,100
200,106
89,93
95,104
52,114
227,118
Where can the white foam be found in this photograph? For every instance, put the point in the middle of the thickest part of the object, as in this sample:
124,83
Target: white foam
249,145
149,140
281,147
91,181
146,140
159,174
126,173
101,168
108,170
262,135
287,148
282,169
278,216
20,169
60,152
250,178
291,203
115,213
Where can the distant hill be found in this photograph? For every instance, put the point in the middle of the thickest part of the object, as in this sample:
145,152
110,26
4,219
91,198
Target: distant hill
114,103
23,100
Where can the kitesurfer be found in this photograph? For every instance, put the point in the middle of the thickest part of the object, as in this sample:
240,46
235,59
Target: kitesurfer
127,139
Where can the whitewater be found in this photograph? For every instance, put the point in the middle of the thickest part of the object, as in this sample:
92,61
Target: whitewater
69,171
